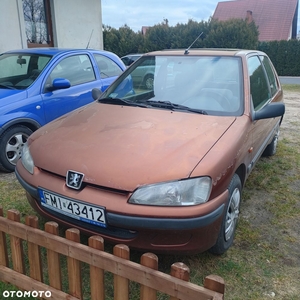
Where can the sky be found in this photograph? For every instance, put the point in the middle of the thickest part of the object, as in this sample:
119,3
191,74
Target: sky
138,13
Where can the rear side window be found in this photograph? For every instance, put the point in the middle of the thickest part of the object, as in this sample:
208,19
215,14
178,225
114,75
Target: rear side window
259,86
107,67
270,73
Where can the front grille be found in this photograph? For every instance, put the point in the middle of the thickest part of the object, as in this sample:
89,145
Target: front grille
85,184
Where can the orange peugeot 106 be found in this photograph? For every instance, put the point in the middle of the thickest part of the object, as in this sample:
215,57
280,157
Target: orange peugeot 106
160,167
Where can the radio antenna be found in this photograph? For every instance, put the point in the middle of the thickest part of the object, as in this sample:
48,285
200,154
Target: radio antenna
187,50
87,46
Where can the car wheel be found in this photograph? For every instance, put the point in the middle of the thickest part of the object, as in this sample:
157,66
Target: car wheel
148,81
230,219
272,147
11,144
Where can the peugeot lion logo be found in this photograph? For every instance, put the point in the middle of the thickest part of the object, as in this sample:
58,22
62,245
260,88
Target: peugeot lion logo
74,179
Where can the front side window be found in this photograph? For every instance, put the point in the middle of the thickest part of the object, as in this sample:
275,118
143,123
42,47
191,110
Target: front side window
259,86
77,69
210,84
270,73
19,71
107,67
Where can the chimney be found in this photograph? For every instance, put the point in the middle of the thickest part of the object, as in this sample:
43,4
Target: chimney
249,17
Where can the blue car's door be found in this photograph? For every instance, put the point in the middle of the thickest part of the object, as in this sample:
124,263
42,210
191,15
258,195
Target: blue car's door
79,71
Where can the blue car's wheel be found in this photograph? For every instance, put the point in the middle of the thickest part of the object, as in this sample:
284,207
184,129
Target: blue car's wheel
11,144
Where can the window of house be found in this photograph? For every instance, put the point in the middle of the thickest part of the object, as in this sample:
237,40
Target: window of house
259,86
107,67
38,23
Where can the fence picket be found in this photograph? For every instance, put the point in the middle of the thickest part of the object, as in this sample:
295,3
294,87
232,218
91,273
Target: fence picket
16,244
121,284
215,283
74,266
97,274
3,245
180,271
53,261
34,252
149,260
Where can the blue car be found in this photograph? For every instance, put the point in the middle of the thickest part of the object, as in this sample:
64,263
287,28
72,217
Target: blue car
39,85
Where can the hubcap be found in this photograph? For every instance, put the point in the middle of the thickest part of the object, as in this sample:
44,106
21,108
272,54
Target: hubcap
276,138
149,83
14,147
232,213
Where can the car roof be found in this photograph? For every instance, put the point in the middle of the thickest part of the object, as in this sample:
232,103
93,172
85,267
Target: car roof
133,54
53,51
204,51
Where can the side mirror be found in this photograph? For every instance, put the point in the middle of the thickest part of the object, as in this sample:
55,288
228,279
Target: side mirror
59,84
271,110
96,94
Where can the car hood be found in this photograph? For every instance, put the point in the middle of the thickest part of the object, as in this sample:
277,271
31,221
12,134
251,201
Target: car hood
7,96
8,92
123,147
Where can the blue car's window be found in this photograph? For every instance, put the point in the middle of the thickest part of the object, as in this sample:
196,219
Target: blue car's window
19,71
107,67
76,68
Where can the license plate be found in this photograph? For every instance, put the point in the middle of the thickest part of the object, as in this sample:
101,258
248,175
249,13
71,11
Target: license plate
73,208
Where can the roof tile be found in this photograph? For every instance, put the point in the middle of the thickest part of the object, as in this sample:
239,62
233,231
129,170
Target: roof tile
274,18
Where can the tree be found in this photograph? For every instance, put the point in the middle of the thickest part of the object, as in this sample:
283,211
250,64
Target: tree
158,37
122,41
234,33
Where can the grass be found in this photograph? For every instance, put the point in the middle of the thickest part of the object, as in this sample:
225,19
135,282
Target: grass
264,261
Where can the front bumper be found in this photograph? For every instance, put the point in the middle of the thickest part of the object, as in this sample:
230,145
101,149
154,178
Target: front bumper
158,234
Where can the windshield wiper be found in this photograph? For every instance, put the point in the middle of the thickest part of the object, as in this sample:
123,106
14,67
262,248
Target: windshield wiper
174,106
119,101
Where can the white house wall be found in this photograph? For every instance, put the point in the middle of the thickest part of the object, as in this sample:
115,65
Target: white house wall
12,26
75,22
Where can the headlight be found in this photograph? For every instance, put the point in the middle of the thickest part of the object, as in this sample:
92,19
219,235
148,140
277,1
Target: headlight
177,193
26,159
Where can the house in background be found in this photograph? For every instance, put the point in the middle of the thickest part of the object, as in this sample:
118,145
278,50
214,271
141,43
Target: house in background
54,23
276,19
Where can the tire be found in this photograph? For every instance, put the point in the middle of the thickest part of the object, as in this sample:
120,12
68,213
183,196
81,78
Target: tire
11,144
230,218
148,82
272,147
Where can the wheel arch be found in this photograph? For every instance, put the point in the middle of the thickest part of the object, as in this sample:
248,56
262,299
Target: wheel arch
29,123
241,172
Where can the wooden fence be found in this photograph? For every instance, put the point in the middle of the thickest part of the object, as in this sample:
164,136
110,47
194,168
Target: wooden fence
17,237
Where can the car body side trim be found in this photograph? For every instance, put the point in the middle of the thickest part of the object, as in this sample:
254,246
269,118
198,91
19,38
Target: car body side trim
262,148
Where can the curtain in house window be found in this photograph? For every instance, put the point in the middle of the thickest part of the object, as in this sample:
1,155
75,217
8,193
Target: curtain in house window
36,14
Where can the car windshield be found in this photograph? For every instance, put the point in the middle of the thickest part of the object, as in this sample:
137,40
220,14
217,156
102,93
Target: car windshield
19,71
210,84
